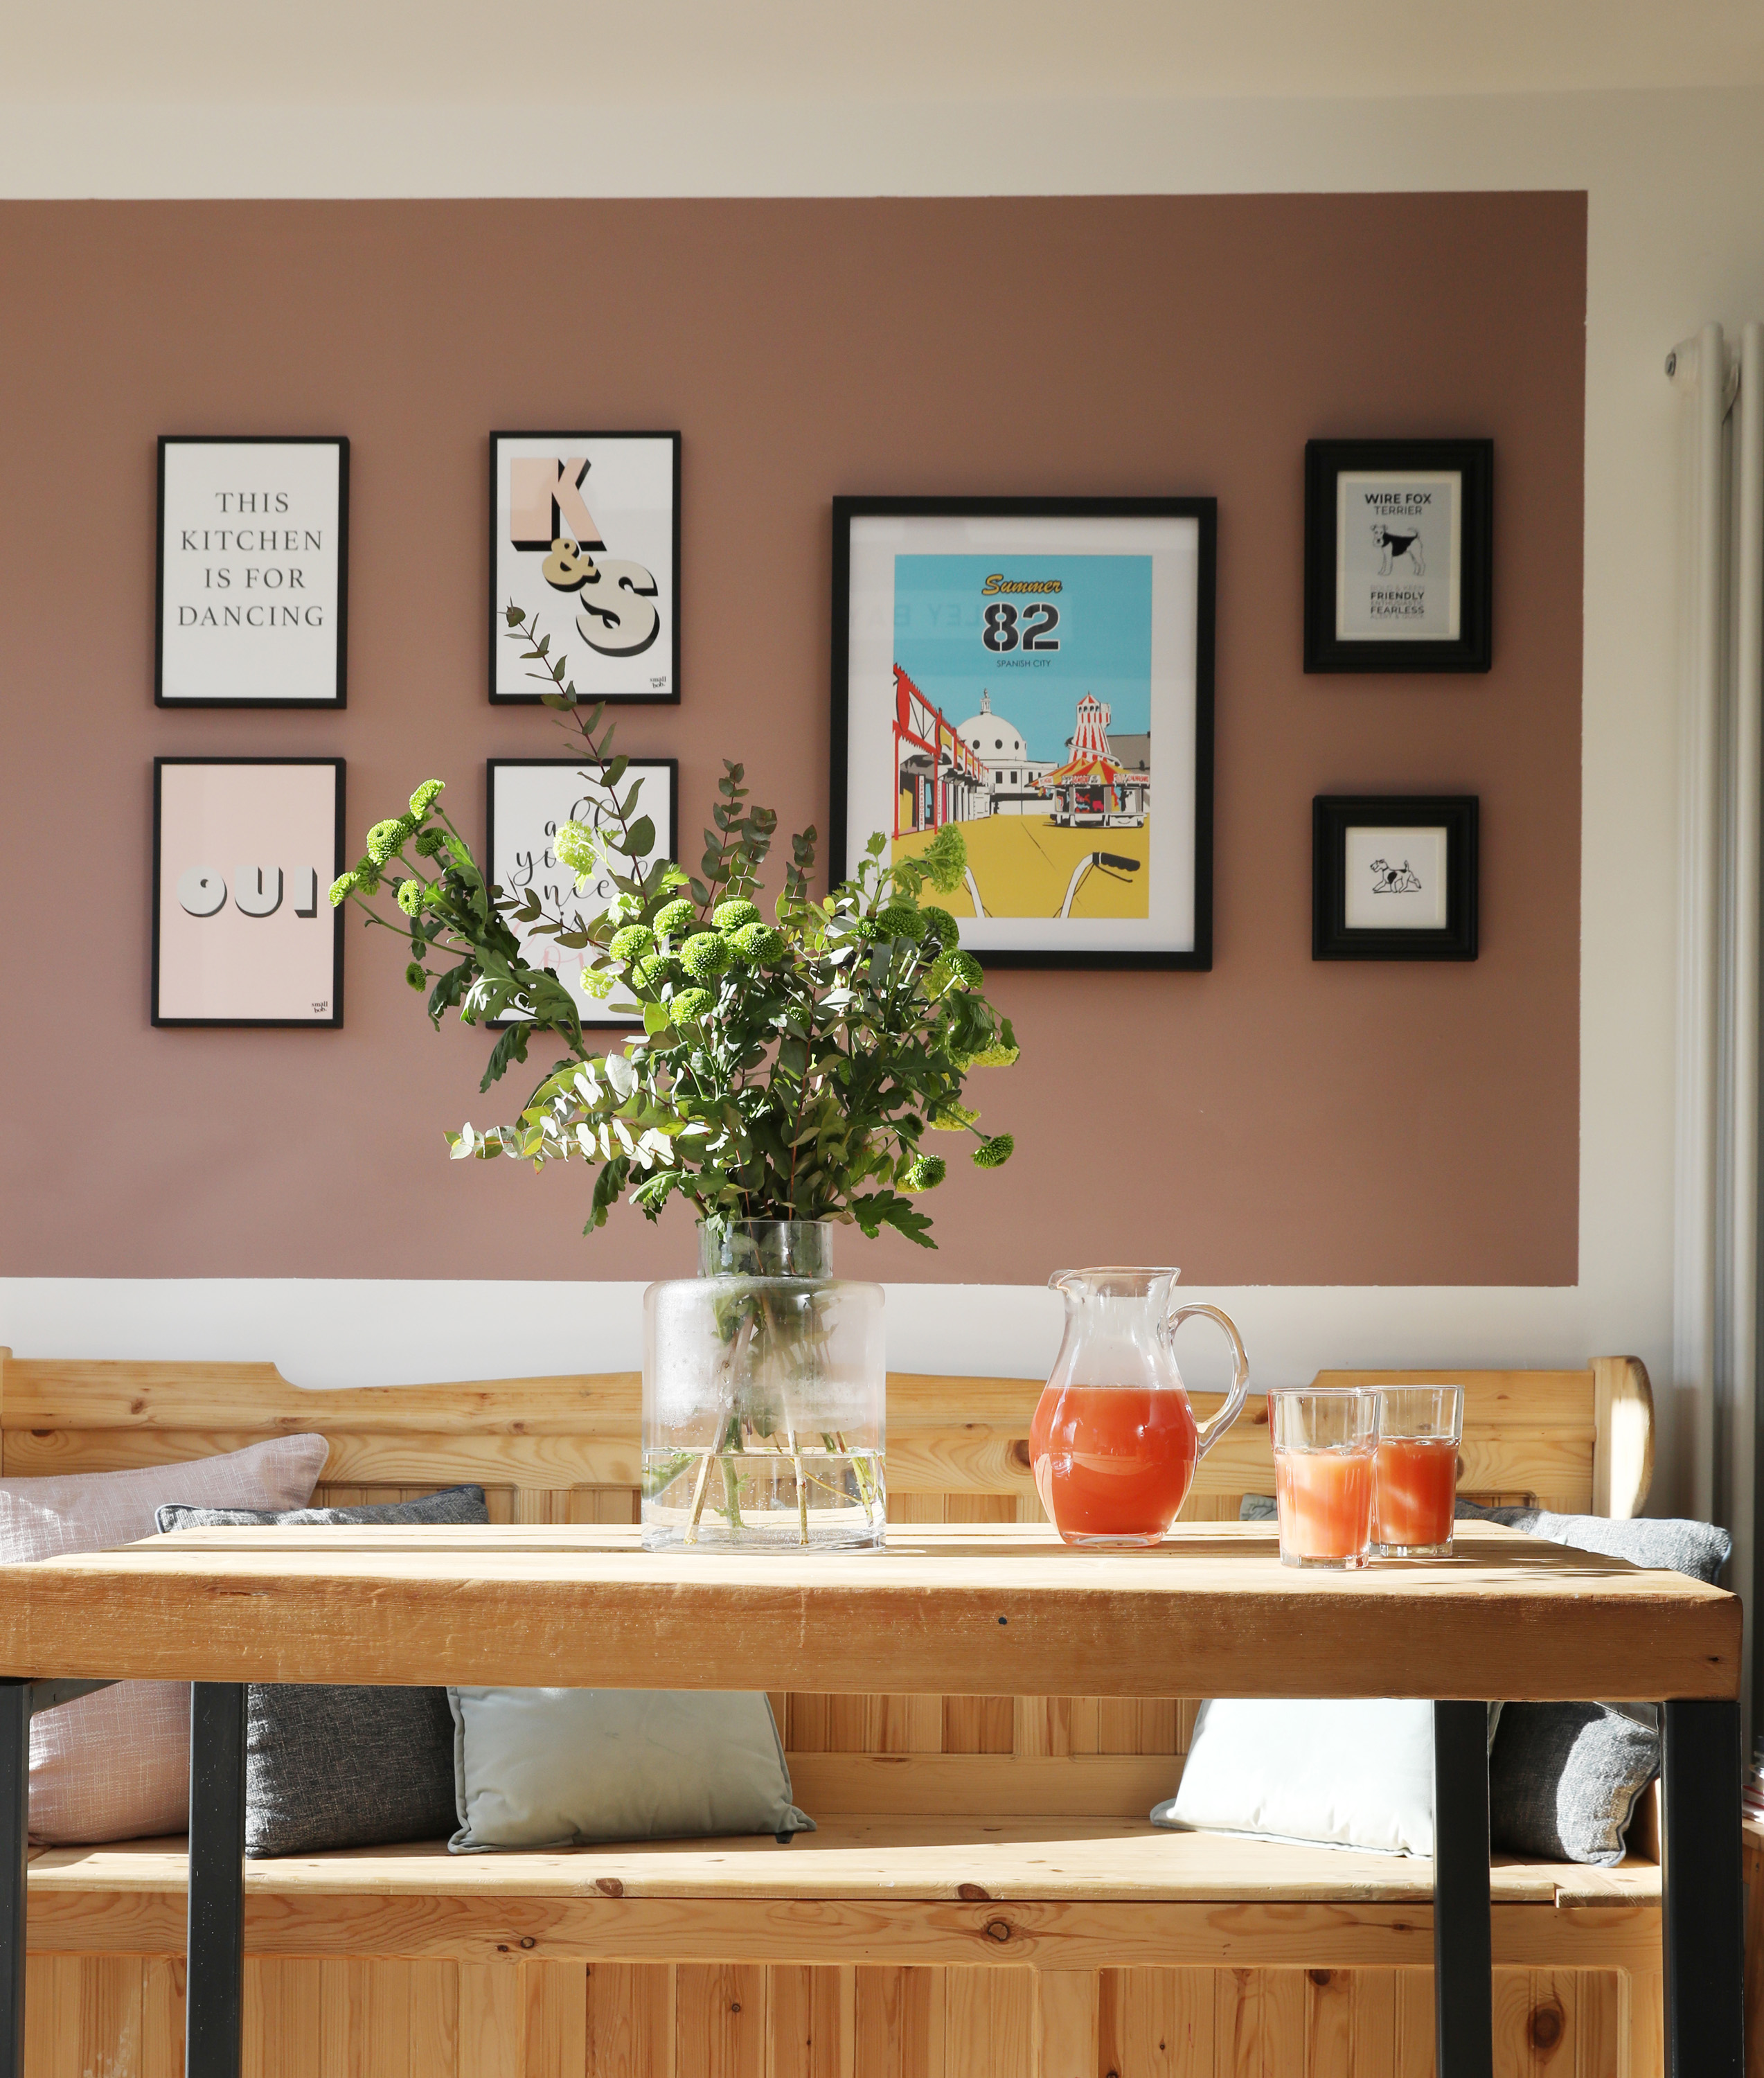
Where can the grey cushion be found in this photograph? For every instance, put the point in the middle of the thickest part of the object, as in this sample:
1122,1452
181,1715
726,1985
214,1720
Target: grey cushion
344,1766
566,1768
1662,1543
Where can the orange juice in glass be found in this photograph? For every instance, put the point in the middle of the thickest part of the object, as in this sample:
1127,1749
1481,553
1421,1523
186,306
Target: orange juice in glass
1420,1428
1324,1450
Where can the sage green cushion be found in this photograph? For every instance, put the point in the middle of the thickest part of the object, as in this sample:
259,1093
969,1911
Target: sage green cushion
570,1767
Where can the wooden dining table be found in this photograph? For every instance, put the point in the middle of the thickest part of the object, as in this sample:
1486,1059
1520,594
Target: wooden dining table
975,1609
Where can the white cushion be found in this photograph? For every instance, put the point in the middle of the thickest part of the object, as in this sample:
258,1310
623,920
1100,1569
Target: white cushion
115,1765
565,1767
1324,1773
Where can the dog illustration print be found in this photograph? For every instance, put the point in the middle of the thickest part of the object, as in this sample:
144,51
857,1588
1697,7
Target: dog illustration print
1404,539
1388,879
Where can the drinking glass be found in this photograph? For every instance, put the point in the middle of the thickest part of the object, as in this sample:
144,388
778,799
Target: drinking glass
1419,1429
1325,1446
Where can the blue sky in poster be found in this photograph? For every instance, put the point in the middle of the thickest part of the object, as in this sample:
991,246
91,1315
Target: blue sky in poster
1104,634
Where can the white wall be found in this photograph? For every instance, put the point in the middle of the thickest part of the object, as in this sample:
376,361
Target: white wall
1675,182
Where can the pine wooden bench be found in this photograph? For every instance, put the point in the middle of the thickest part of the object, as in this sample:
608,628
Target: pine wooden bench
852,1954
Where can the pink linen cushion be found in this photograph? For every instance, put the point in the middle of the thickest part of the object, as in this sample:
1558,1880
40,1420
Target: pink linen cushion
115,1765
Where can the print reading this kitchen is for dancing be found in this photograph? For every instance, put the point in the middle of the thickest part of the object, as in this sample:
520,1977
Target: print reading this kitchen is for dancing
252,576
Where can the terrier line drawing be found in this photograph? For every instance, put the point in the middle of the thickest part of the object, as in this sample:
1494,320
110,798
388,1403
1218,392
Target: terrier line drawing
1388,879
1396,541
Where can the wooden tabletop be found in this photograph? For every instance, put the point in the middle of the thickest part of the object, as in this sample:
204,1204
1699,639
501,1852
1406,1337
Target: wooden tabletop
974,1610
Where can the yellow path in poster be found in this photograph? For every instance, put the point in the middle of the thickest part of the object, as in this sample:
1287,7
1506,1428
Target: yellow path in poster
1024,864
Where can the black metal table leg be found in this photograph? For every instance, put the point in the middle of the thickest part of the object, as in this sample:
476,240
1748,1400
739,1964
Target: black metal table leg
1702,1887
1463,1968
14,1863
214,1994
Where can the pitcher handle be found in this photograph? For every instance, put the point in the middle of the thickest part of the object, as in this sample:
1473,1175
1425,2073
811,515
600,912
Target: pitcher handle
1240,1374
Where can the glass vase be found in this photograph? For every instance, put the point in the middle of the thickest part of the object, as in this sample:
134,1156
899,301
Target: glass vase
763,1389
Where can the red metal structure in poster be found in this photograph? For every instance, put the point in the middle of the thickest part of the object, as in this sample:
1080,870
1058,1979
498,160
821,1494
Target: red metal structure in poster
937,778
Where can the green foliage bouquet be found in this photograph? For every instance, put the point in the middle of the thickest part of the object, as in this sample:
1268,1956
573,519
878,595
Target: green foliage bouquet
786,1070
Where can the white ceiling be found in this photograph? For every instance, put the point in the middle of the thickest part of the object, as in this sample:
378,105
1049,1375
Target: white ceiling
706,51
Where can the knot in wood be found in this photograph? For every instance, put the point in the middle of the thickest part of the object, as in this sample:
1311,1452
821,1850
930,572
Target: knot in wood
998,1930
975,1893
526,1941
1020,1451
1546,2026
1322,1976
609,1886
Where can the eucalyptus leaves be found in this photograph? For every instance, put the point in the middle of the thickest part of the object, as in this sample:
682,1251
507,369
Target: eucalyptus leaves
786,1069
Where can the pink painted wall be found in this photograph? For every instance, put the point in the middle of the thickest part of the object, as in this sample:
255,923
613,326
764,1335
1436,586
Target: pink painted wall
1273,1121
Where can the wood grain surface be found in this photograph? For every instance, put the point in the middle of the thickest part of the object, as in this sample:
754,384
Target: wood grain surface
989,1609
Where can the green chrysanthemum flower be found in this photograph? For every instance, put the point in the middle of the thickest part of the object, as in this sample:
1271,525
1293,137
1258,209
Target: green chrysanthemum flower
945,858
1000,1056
926,1173
426,796
953,1118
957,969
596,982
430,844
633,942
387,840
903,920
342,888
652,971
415,975
689,1004
943,927
574,847
994,1152
409,896
731,917
705,955
758,944
674,917
367,875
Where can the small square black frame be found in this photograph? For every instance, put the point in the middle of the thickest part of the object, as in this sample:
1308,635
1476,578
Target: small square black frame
1474,460
498,623
670,846
340,697
1197,958
1331,814
334,1022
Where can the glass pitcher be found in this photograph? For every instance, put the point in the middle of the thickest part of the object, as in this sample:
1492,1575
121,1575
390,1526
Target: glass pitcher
1114,1443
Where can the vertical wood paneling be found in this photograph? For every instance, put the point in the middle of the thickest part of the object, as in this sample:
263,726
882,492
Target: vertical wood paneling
434,2019
1258,2023
1329,2045
630,2019
162,2017
899,2023
1375,2022
51,2017
1155,2023
1414,2024
286,1997
719,2019
554,1999
1067,2021
490,2021
1598,2045
807,2023
110,2019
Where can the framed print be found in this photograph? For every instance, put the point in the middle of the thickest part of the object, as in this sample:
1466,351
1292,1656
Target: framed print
253,573
245,852
525,799
1039,672
585,536
1399,538
1393,877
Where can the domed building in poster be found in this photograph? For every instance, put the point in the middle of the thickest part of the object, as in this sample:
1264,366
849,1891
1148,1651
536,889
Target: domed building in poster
1015,778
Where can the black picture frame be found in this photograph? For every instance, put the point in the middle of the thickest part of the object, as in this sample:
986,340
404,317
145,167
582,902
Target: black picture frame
1334,815
1326,649
1198,956
339,696
334,1021
500,648
592,1018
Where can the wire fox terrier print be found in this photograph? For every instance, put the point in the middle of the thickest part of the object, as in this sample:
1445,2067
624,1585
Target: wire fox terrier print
1398,542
